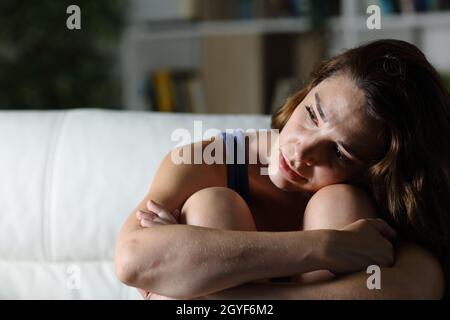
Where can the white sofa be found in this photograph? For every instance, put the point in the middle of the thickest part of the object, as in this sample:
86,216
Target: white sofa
68,179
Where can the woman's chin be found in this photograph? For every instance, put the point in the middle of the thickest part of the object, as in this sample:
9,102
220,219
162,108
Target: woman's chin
284,184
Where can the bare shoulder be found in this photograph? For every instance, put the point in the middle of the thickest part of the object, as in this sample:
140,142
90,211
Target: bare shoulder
176,180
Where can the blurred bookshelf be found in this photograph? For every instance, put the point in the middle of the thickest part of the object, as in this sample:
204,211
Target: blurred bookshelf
246,56
405,19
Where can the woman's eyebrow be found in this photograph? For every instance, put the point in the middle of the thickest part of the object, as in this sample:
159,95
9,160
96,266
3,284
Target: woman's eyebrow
319,107
350,150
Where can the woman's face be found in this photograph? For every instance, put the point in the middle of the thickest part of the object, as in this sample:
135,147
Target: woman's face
328,139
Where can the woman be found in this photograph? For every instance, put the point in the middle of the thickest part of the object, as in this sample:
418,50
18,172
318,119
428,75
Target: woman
363,144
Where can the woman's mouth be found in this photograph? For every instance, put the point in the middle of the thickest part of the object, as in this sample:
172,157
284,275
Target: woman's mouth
288,172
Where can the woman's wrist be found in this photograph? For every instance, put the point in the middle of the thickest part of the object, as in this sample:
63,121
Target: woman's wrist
315,244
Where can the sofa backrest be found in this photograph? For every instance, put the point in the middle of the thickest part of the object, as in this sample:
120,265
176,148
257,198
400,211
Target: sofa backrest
68,179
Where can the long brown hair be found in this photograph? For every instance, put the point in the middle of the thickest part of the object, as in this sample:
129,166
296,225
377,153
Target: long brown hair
411,182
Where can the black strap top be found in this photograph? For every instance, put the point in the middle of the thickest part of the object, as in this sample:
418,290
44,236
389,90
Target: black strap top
237,169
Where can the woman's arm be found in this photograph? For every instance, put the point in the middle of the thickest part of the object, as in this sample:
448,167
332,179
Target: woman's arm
185,261
416,275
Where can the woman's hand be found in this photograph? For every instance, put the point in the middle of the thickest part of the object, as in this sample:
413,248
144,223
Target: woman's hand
358,245
156,215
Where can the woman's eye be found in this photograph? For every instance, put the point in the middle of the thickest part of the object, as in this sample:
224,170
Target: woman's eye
339,154
312,115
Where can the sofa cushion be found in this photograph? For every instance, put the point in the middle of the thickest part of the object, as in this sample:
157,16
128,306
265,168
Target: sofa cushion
68,181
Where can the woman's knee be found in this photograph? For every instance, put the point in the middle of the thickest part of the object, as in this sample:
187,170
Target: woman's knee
336,206
217,207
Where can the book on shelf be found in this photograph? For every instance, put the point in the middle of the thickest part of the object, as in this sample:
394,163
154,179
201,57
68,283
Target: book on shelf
409,6
196,96
174,90
244,9
276,8
207,10
161,10
282,8
216,10
164,90
251,9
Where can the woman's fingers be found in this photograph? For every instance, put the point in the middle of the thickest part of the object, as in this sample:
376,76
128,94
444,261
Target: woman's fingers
148,223
141,214
384,228
144,214
160,211
156,214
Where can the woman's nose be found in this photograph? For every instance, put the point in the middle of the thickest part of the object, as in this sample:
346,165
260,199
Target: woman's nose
301,153
303,156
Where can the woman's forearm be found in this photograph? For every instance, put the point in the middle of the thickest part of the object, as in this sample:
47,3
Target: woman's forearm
404,280
348,287
185,261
